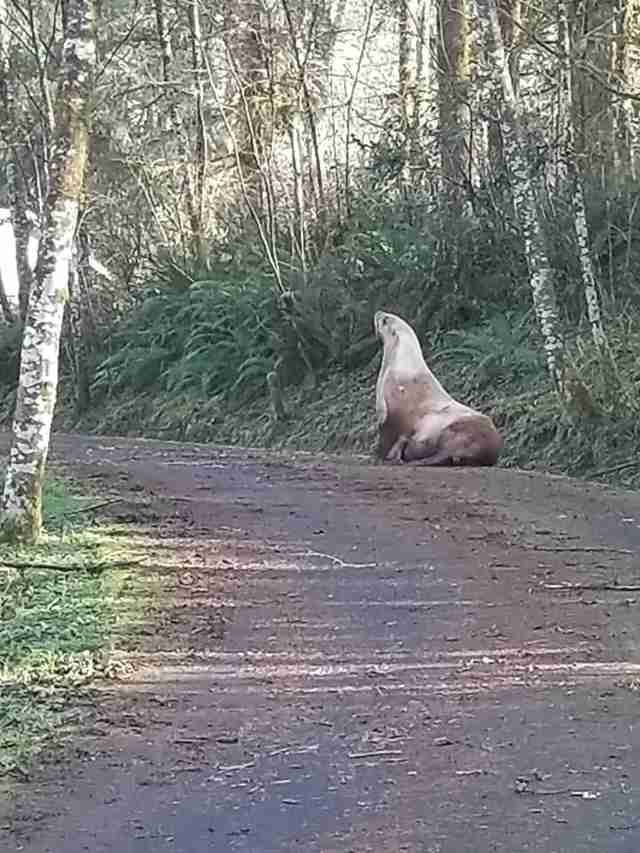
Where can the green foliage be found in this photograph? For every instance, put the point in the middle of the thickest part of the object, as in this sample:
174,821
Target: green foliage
192,360
208,337
444,272
192,357
53,622
499,353
495,365
613,215
60,607
202,334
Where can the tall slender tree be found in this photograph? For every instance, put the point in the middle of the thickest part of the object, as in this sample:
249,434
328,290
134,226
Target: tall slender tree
630,66
573,179
541,273
20,509
456,18
201,153
9,280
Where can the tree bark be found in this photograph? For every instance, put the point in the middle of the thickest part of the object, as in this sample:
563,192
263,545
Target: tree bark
309,107
9,279
616,54
21,506
413,78
78,338
631,76
573,180
295,129
455,123
541,273
251,81
425,69
198,213
192,195
406,65
512,15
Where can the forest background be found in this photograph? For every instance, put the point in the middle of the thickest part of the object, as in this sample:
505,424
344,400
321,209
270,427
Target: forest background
262,176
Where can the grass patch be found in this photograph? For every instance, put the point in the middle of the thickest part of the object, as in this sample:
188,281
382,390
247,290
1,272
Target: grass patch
63,606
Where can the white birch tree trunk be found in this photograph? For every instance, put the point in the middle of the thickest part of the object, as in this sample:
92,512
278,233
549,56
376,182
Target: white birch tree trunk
428,95
478,126
295,130
573,180
201,153
624,73
616,54
9,281
631,71
20,509
10,255
541,274
406,83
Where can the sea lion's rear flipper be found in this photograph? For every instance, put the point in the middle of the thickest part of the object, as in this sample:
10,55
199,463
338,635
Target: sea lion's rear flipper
426,453
390,444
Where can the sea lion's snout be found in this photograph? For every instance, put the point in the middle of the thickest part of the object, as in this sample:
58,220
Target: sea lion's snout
378,319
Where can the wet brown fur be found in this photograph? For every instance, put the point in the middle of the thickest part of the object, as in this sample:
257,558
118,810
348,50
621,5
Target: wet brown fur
469,441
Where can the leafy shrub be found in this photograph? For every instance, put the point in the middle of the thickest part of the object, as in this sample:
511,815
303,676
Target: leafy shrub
208,337
502,351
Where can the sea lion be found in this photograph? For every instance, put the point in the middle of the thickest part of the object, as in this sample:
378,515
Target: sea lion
418,421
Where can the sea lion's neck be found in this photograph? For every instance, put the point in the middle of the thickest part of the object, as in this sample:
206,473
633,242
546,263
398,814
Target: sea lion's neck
408,365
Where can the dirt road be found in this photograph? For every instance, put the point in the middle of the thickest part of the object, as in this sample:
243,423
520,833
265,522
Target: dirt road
358,658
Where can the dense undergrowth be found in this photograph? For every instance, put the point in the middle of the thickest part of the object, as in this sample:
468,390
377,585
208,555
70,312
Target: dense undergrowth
191,362
190,357
496,366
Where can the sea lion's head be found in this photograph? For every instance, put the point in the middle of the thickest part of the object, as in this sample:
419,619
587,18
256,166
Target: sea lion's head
383,324
401,345
390,327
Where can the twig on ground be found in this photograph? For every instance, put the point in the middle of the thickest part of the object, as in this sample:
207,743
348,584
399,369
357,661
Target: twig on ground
379,753
594,549
592,587
92,507
92,568
179,499
122,499
473,772
191,740
213,463
523,786
228,768
337,560
624,827
585,795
